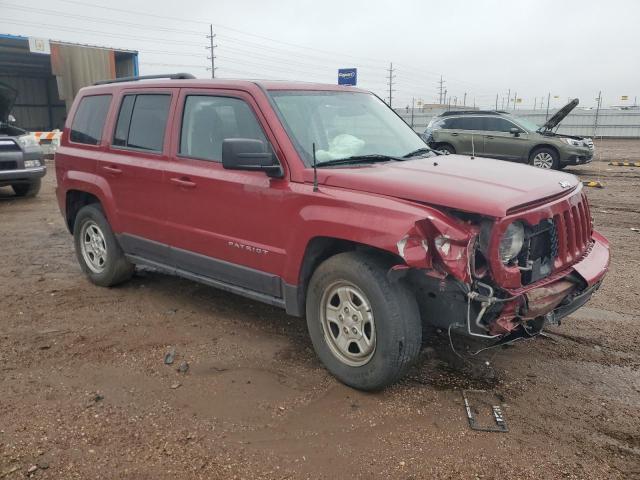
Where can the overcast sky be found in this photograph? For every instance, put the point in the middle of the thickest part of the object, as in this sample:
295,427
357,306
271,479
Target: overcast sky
481,48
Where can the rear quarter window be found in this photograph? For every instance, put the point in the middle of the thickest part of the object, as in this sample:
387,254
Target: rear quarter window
89,119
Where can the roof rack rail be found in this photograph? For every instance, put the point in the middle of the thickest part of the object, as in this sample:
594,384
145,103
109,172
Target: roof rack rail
171,76
451,113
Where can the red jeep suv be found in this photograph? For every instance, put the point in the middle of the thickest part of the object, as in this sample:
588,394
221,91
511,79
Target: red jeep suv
319,199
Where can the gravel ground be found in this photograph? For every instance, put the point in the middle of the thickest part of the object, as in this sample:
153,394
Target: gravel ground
85,392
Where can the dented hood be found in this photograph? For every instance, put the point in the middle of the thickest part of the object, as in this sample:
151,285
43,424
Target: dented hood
481,185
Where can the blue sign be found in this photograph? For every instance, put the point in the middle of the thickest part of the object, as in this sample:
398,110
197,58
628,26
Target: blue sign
348,76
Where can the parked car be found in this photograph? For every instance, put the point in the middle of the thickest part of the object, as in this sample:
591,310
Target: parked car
501,135
214,181
21,159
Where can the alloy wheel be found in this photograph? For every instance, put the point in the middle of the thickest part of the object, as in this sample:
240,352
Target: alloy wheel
348,324
93,247
543,160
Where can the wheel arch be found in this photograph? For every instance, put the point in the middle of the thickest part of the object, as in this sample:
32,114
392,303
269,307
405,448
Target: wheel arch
318,250
75,200
82,189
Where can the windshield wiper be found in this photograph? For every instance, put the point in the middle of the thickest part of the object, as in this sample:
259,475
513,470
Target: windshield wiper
421,151
360,159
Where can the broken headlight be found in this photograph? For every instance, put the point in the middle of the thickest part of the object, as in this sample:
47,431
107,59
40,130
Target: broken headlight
511,242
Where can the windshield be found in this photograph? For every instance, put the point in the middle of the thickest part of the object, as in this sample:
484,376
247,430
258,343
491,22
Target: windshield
343,125
528,124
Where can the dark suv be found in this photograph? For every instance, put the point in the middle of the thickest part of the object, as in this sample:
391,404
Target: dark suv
21,158
320,200
501,135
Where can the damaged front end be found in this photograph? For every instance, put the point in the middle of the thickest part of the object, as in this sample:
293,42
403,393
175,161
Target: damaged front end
507,278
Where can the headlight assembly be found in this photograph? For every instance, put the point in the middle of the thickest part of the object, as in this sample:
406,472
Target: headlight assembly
574,142
31,163
26,141
511,242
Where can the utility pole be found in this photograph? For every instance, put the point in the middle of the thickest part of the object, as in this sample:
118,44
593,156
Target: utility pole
508,98
496,101
441,88
413,100
535,102
595,123
211,48
464,100
515,100
390,83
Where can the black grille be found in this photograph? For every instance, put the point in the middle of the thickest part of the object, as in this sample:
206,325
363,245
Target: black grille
539,251
8,165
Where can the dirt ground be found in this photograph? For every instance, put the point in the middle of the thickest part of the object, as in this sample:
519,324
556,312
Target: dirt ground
84,391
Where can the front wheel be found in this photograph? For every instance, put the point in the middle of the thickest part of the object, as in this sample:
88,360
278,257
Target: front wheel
445,147
544,158
364,328
30,189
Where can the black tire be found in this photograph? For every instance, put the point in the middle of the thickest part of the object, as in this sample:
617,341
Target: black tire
398,328
445,147
554,162
116,268
27,189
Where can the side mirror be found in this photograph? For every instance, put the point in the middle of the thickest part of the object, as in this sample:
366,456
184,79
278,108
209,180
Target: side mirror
515,131
249,154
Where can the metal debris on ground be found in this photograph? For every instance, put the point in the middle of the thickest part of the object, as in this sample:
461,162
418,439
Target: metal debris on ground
637,230
486,405
183,367
170,356
625,164
593,184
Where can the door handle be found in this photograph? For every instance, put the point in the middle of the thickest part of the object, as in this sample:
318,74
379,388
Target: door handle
183,182
454,134
490,137
111,169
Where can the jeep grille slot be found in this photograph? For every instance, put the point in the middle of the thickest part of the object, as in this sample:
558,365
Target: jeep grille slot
574,228
536,260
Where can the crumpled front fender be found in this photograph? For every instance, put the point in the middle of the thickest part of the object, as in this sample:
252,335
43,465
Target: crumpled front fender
440,245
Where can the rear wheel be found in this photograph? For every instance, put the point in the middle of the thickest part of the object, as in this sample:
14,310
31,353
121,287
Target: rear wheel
365,329
546,158
97,249
30,189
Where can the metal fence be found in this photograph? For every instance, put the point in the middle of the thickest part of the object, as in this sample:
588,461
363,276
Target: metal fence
611,123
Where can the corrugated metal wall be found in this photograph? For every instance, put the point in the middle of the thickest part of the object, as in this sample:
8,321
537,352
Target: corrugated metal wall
32,105
611,123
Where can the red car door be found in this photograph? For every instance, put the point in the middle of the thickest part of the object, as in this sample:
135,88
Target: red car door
222,224
133,166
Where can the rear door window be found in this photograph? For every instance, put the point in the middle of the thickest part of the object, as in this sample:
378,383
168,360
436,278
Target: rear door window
89,119
497,124
142,122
